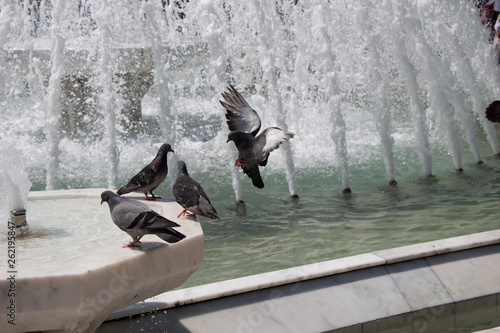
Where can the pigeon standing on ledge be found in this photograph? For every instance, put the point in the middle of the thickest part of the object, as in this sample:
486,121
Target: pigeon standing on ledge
244,124
493,112
150,176
137,219
190,195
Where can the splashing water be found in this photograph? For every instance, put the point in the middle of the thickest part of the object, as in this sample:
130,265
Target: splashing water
14,181
344,88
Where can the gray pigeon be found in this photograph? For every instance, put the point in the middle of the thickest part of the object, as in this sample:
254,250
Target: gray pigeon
244,124
150,176
190,195
137,219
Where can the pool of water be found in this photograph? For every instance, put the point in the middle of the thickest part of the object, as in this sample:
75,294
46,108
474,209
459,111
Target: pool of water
272,231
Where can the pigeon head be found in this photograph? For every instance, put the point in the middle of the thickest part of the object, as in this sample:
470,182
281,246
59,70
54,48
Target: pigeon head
181,165
165,148
106,196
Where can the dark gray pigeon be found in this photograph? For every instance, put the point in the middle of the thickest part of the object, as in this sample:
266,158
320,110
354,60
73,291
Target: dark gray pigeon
150,176
244,124
190,195
493,112
137,219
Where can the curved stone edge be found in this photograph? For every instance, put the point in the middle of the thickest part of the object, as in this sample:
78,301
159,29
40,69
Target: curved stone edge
80,294
422,251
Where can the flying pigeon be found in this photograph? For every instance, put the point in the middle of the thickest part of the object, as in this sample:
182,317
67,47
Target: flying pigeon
137,219
190,195
150,176
244,124
493,112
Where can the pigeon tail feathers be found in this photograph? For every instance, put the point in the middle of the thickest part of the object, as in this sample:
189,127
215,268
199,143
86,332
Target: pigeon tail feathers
127,189
254,173
170,235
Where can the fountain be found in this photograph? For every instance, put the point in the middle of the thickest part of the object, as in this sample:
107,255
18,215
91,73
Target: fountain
376,92
15,186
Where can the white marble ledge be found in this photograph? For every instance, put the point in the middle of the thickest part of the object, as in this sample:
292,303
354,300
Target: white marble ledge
165,206
440,246
311,271
62,295
251,283
76,193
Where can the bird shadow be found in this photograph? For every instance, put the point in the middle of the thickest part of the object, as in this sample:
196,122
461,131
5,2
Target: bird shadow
142,198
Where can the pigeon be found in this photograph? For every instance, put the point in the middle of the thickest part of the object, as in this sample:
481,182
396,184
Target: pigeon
493,112
244,124
150,176
190,195
137,219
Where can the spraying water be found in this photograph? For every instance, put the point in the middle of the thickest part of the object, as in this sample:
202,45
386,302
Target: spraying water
152,72
108,95
54,94
382,105
14,181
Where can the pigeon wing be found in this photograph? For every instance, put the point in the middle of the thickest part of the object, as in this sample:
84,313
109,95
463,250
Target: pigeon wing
270,139
240,116
184,191
190,195
133,214
160,222
206,208
145,177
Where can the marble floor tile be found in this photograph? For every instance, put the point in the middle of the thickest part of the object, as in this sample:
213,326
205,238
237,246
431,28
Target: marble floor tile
419,285
468,274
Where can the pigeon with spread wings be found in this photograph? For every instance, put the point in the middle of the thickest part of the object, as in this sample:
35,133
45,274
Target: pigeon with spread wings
244,124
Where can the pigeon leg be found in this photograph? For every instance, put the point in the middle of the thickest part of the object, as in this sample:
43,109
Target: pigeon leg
185,212
133,243
239,162
154,197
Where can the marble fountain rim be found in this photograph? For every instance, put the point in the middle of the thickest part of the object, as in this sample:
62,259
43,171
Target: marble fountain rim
61,296
111,254
211,291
